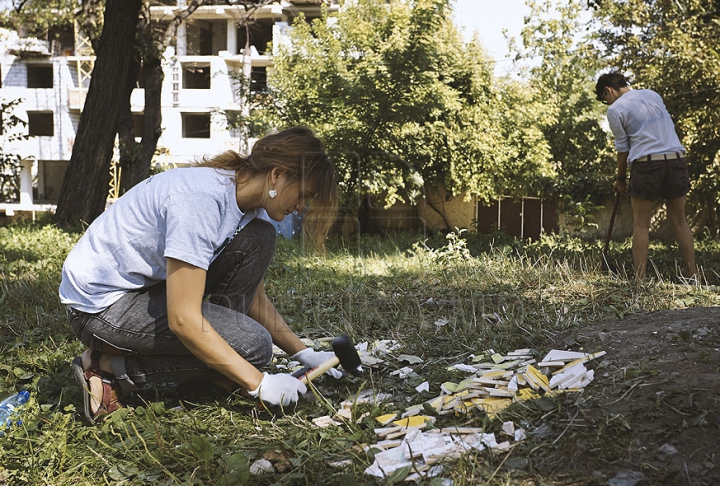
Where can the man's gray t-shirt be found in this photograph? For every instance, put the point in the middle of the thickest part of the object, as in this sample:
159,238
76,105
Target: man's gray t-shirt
642,126
187,213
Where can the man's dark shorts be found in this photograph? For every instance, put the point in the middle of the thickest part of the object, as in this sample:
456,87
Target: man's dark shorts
659,179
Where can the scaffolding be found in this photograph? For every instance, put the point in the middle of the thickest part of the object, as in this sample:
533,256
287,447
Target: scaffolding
84,56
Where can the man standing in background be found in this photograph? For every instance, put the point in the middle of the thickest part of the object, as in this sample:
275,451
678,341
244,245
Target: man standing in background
648,146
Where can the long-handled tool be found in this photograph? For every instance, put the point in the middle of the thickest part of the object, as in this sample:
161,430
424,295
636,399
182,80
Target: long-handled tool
605,265
345,355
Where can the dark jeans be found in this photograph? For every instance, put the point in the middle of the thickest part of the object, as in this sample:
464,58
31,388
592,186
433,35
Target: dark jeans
137,324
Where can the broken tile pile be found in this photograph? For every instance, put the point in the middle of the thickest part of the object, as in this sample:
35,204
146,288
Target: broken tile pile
494,385
373,355
421,451
496,381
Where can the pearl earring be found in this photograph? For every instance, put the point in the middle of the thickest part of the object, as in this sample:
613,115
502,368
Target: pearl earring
272,193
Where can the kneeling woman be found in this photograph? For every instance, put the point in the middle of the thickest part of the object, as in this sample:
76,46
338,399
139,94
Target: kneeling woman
167,284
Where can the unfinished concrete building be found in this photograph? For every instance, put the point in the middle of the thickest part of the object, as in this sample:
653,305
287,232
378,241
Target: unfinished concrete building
52,78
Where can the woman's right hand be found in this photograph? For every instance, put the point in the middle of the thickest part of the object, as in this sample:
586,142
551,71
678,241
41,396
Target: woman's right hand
621,187
279,389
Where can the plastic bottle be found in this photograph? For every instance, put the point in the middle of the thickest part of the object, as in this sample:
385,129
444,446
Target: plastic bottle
10,406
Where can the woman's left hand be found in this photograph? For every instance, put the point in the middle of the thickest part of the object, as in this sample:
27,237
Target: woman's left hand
312,359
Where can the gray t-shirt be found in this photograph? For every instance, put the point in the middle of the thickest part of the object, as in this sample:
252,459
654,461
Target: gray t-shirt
642,126
187,213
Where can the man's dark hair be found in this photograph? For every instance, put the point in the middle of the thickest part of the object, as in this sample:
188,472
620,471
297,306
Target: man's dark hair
614,80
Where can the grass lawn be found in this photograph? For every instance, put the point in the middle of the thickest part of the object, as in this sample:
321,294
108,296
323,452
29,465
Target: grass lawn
441,299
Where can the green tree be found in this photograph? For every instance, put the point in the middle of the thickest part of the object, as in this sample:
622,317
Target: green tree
671,47
11,131
39,18
151,40
147,42
85,184
404,104
563,67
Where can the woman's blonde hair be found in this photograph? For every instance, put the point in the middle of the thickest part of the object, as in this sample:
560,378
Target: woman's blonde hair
302,157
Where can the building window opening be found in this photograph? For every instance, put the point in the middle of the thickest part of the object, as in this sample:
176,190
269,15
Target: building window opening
39,76
258,80
138,124
260,36
196,77
41,124
196,125
206,37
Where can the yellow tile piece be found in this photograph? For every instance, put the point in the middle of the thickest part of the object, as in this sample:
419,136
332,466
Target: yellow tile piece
526,394
497,358
494,405
530,379
386,419
540,379
450,404
436,403
464,393
496,374
564,390
415,421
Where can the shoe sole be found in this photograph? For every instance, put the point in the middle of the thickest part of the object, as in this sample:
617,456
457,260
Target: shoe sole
83,385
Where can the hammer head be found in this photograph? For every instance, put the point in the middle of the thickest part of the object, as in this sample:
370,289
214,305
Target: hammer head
347,354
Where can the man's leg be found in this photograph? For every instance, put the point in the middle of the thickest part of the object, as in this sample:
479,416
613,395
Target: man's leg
683,234
642,215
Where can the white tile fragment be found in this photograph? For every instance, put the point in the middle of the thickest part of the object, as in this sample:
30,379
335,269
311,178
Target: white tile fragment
503,446
423,387
325,421
489,440
560,355
465,368
403,372
340,464
410,358
513,384
261,466
387,462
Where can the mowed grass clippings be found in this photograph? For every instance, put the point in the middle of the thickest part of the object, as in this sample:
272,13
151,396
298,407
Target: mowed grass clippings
442,299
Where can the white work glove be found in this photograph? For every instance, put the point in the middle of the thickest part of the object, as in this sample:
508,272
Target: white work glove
312,359
280,389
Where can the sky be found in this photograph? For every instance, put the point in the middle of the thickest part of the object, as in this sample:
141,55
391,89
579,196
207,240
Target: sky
488,18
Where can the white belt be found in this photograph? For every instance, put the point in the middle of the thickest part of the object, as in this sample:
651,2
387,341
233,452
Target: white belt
671,156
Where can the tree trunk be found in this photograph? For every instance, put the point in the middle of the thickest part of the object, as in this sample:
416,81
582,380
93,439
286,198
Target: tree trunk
127,146
153,116
136,159
85,185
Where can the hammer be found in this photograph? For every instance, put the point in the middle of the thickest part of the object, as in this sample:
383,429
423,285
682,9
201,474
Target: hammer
345,355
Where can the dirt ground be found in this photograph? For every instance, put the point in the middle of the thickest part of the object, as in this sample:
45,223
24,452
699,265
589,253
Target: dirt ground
652,415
